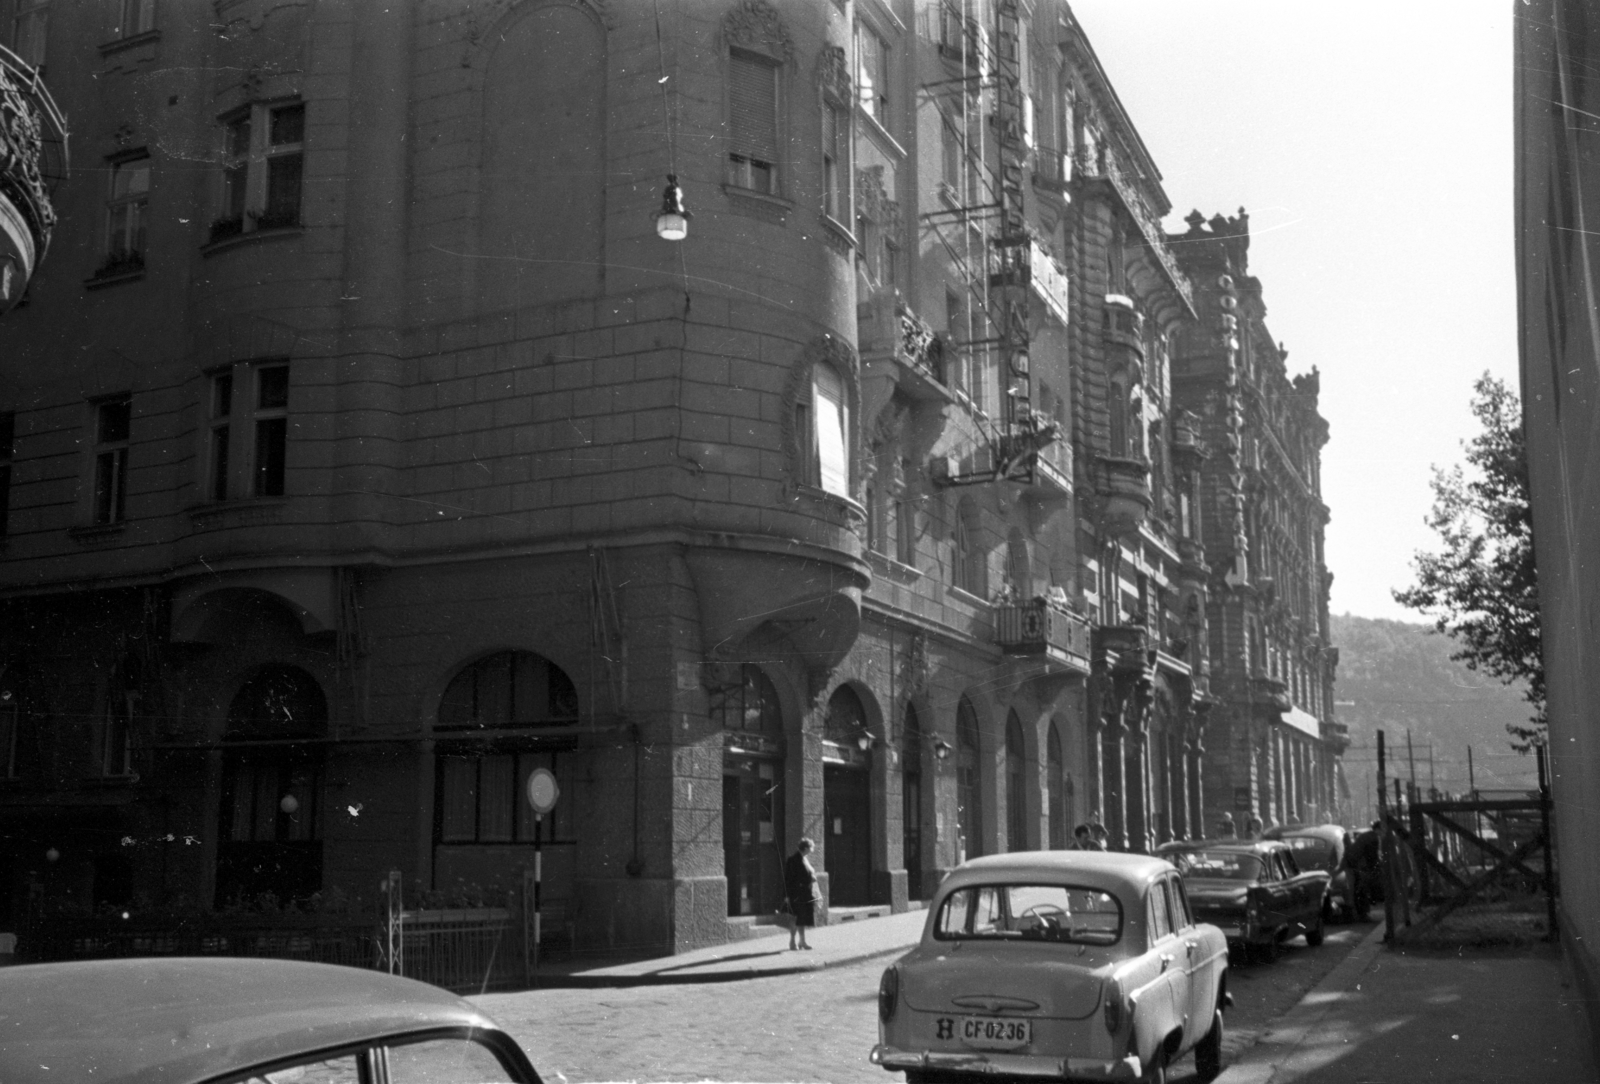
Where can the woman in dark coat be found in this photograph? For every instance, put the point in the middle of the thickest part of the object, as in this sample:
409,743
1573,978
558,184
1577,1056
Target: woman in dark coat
800,885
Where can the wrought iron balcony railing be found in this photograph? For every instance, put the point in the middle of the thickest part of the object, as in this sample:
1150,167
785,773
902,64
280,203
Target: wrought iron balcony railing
1040,627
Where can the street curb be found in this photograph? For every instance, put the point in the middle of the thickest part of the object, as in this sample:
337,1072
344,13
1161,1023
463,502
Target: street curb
1278,1043
659,978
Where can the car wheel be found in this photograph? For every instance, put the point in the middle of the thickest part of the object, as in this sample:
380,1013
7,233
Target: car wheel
1208,1054
1316,933
1266,952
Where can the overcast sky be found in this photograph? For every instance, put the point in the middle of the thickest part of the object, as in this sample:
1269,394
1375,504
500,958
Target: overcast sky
1371,143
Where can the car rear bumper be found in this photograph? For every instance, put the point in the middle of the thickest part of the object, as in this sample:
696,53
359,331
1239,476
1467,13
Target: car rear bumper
1007,1065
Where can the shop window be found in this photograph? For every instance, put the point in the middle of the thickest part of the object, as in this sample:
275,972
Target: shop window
8,429
482,798
509,689
112,420
263,152
969,791
753,122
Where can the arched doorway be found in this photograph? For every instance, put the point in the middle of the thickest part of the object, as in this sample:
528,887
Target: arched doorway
1016,783
969,790
269,827
911,800
847,800
752,791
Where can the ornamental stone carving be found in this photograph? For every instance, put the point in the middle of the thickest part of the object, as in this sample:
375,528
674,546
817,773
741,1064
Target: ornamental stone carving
756,25
21,155
833,76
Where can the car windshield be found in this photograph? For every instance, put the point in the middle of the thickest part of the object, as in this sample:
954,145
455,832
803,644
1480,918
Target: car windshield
1223,865
1068,914
1311,852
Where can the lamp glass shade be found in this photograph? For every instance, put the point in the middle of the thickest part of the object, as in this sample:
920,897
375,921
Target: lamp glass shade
671,226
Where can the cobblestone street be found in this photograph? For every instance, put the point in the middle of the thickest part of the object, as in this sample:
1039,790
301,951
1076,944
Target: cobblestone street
812,1027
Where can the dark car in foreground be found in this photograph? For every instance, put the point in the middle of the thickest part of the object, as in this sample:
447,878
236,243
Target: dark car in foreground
242,1021
1253,890
1324,847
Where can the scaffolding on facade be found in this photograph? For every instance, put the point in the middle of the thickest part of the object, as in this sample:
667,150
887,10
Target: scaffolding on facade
987,136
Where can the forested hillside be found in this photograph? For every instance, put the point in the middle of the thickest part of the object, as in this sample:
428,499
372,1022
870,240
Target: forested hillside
1395,674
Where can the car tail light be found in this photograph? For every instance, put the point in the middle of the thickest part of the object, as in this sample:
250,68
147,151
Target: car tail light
888,994
1114,1011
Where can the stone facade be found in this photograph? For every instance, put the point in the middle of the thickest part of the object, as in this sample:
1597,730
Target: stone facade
340,513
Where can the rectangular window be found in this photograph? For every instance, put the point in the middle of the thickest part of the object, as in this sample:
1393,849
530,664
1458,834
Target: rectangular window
112,419
220,436
481,798
137,17
905,529
29,27
835,163
125,216
752,123
263,166
10,737
8,429
271,421
872,73
833,472
115,759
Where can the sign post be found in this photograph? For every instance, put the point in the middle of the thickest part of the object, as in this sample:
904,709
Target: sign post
543,792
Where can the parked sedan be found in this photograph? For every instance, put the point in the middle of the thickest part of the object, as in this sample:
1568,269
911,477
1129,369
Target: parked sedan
242,1021
1253,890
1323,846
1053,964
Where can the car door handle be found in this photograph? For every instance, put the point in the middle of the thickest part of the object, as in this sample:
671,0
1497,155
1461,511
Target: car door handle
1166,960
1188,948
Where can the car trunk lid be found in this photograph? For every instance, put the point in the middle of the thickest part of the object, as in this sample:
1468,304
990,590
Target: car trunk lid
1055,981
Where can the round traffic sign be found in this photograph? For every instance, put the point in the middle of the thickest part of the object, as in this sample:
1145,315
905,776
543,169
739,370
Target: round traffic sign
542,790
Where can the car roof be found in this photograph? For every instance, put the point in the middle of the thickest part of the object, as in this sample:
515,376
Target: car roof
1109,870
1333,833
1243,846
176,1019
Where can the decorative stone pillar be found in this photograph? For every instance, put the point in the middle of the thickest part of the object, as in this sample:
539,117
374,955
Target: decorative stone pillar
1113,807
1138,787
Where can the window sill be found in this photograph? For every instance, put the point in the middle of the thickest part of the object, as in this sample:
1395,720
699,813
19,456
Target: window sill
961,594
879,134
242,512
99,281
763,199
853,512
840,230
133,41
893,569
97,532
278,233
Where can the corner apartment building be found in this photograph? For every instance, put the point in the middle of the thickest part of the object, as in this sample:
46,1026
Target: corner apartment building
372,450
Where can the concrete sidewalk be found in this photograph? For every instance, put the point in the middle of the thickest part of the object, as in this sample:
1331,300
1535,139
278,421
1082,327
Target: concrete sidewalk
835,945
1429,1017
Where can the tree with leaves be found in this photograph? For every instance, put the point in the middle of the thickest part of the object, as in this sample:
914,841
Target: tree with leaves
1482,589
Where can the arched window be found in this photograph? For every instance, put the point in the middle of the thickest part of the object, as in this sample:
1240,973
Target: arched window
511,688
1059,787
278,702
1016,785
750,706
846,722
969,791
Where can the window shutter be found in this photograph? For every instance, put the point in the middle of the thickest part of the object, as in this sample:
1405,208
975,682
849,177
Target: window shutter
753,107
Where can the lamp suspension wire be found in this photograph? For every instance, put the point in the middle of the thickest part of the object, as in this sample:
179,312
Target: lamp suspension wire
672,143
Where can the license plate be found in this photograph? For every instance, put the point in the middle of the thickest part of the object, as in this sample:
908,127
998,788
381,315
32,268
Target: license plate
994,1032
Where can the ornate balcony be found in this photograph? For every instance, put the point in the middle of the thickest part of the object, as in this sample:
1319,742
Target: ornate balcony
1123,327
887,329
33,157
1039,627
1124,486
1122,648
1269,693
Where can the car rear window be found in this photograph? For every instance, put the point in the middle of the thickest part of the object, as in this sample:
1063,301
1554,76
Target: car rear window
1311,852
1068,914
1223,865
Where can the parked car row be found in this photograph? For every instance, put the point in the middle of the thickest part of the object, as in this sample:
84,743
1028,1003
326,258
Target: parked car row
1252,890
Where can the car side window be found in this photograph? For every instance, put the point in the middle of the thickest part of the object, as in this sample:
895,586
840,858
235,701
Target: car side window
1156,912
1177,904
345,1070
445,1061
1290,866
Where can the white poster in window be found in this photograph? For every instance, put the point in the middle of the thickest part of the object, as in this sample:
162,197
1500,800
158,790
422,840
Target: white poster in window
832,471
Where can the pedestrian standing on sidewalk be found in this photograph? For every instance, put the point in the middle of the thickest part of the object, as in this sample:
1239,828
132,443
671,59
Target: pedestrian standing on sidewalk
800,884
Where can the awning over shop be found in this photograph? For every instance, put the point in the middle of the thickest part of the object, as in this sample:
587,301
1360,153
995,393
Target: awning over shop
1304,722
